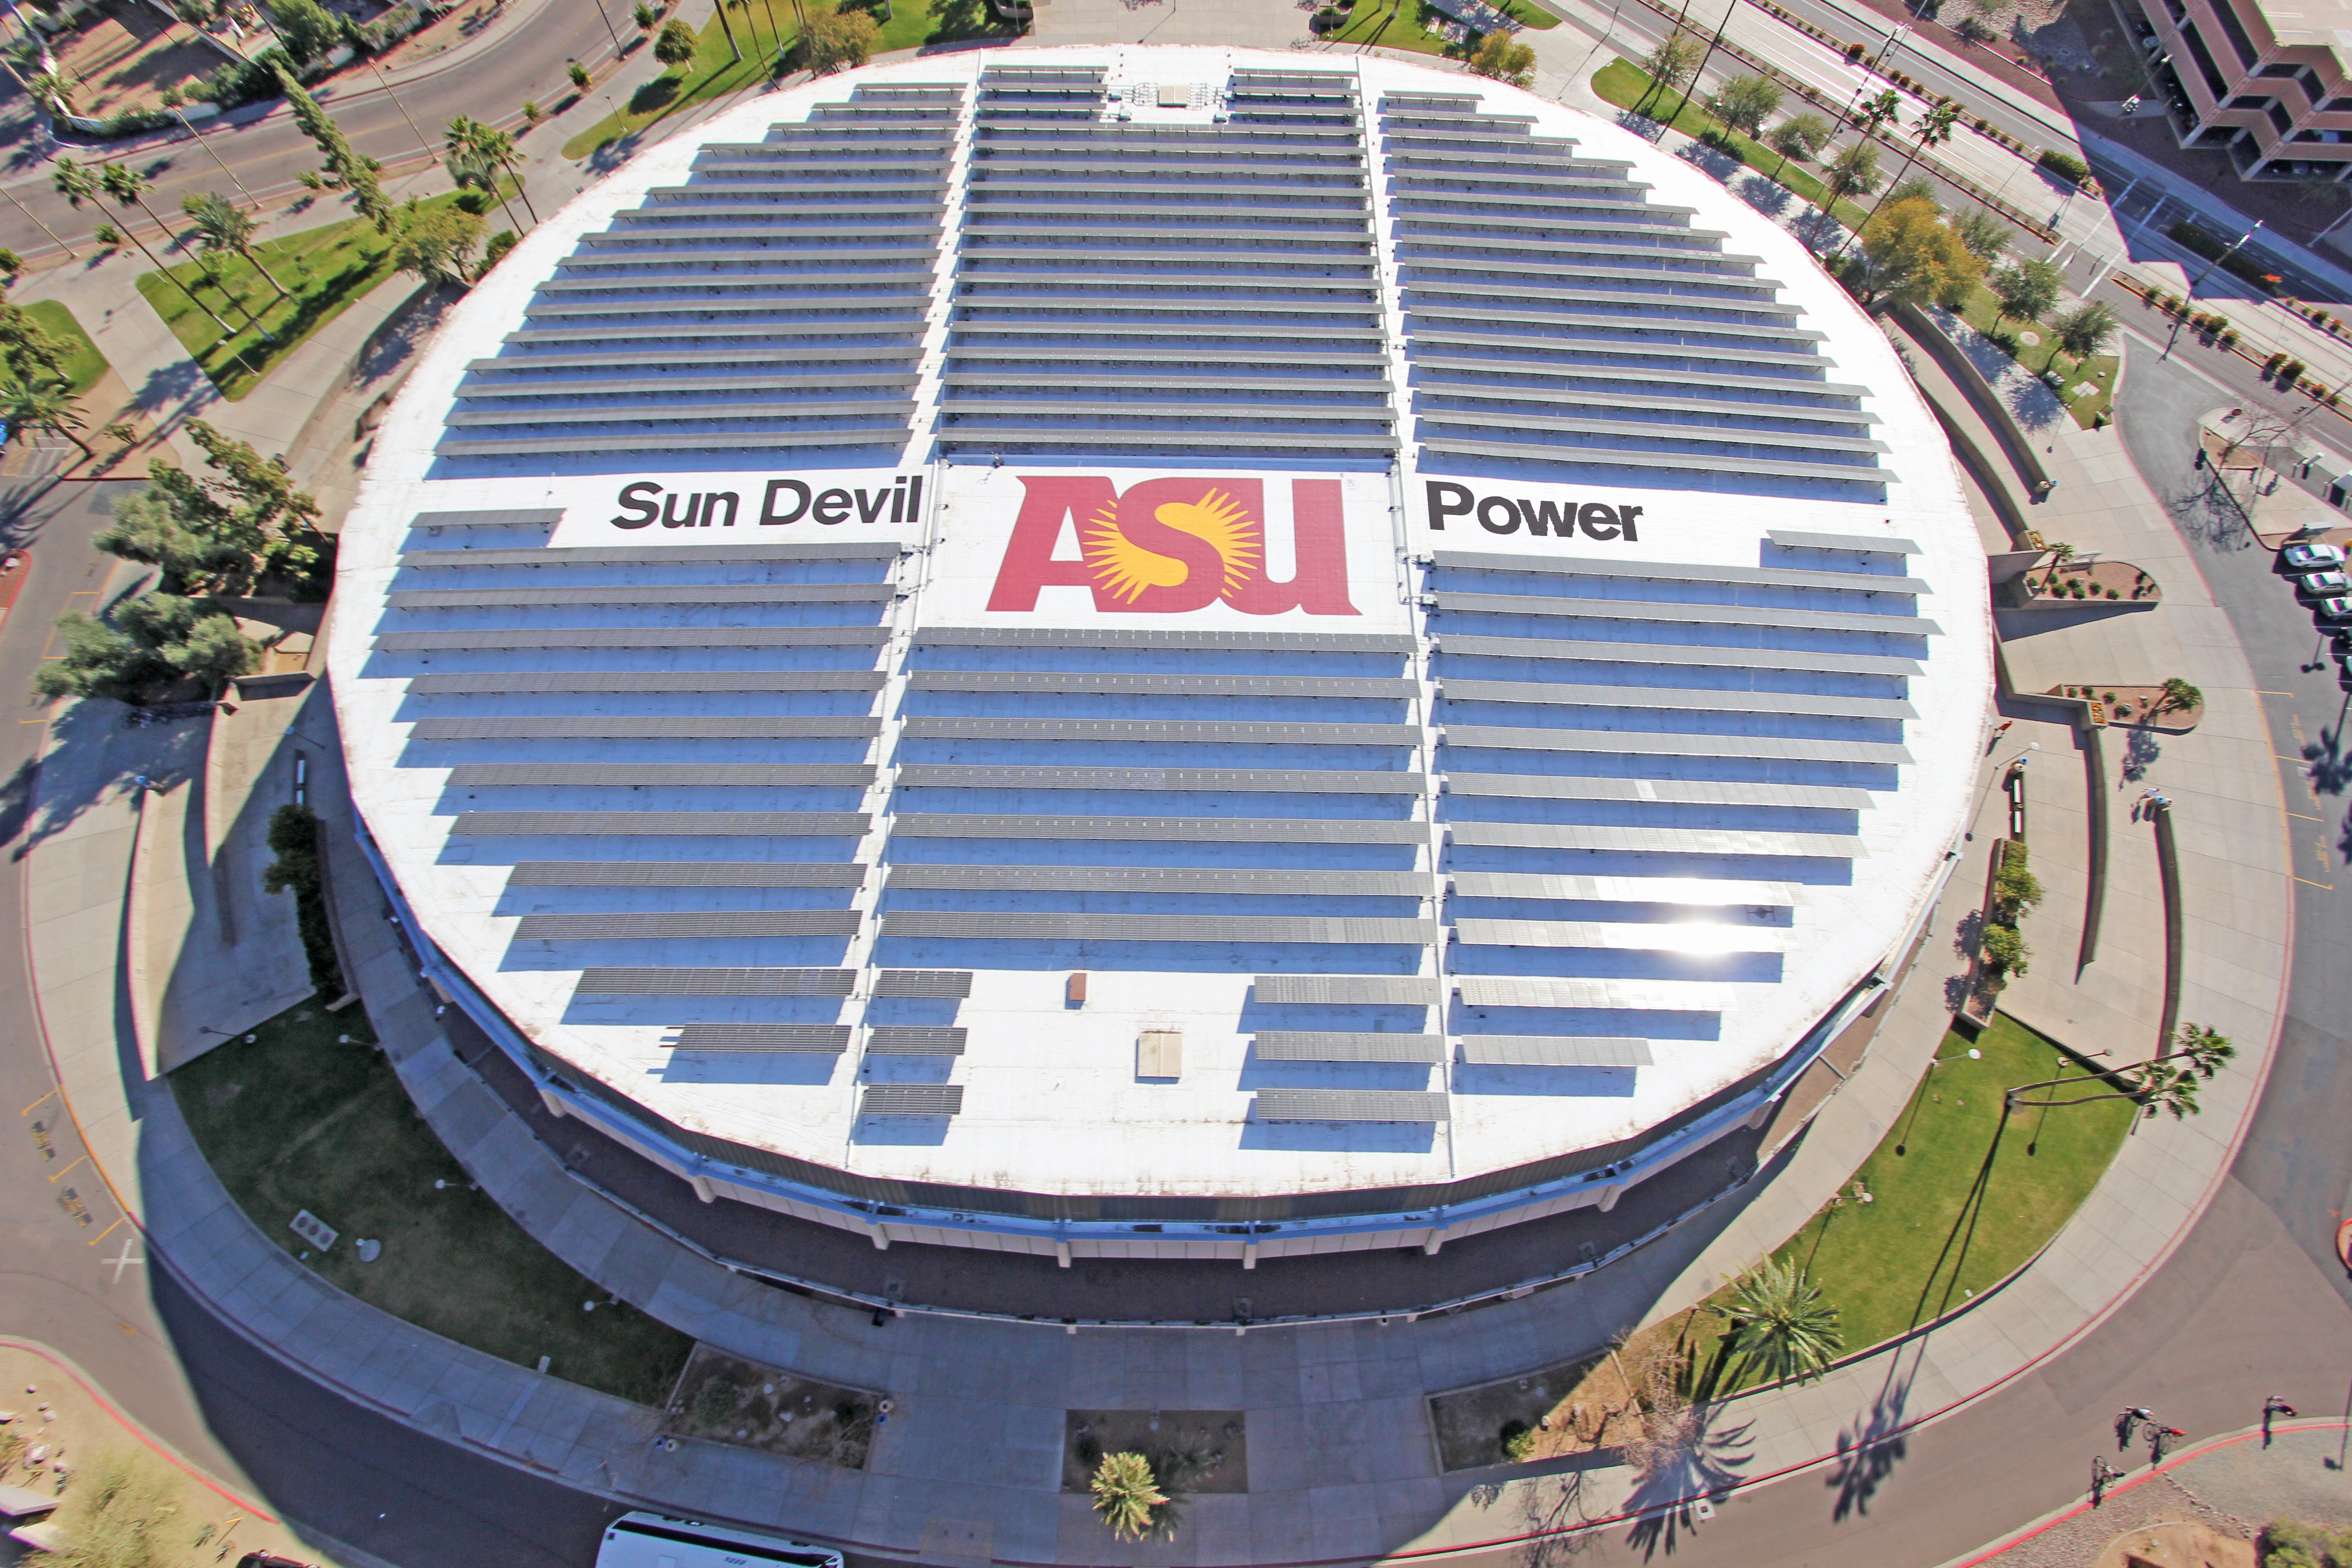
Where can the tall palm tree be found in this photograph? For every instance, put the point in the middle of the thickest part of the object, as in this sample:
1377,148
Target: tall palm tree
1937,128
221,225
49,407
2167,1083
1126,1494
1781,1325
128,185
77,185
477,154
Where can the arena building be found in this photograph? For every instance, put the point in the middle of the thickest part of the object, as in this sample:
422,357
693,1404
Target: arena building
1161,653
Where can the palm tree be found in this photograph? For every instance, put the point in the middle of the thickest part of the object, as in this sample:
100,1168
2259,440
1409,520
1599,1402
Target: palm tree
126,186
50,408
477,154
1781,1325
222,225
1127,1494
77,185
1936,128
2167,1083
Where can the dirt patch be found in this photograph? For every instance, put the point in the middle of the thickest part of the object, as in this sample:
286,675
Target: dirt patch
2180,1545
1202,1451
123,59
2135,707
721,1398
1570,1407
2089,583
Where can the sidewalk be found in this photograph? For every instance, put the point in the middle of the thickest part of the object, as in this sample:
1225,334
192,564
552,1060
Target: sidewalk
1343,1467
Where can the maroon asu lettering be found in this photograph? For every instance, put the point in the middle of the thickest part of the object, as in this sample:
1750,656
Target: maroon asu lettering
1166,546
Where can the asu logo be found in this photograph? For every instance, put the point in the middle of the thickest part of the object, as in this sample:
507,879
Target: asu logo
1166,546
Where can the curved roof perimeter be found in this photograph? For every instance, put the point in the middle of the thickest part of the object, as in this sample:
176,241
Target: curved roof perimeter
1161,625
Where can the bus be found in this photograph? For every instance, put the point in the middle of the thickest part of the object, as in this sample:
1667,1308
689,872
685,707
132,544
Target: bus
642,1540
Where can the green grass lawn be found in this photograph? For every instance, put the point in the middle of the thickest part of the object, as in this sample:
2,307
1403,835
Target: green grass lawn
1958,1200
1526,16
763,27
1391,27
2098,372
1625,84
83,363
325,271
303,1119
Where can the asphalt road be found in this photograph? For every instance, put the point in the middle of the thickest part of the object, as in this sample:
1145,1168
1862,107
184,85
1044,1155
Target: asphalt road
326,1465
525,60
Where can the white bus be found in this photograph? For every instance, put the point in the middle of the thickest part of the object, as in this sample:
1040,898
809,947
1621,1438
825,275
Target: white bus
657,1540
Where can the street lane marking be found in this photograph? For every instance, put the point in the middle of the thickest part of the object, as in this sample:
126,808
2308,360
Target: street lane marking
103,1235
37,1104
2309,883
2262,691
2306,818
78,1158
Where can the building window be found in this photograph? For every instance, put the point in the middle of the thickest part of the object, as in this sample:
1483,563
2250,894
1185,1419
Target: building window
2214,84
2282,119
2280,71
2252,103
2338,106
2227,15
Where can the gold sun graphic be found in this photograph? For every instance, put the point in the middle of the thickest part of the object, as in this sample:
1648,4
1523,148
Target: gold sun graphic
1125,569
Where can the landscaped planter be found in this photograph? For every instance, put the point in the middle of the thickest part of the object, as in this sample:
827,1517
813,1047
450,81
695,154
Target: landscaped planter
2135,706
2111,585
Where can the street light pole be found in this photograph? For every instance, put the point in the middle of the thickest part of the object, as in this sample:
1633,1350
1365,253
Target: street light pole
2190,297
70,254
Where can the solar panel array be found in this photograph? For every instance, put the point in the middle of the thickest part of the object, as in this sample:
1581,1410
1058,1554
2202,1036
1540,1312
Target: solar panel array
1570,816
1556,313
1130,286
775,302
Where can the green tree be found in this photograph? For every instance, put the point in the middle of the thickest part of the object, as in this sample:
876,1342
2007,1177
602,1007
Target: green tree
217,534
674,45
1780,1325
157,640
2025,289
2178,696
2003,949
645,16
1853,173
1910,255
1985,235
345,168
307,28
1504,59
1127,1494
1670,64
28,351
579,75
2015,888
479,154
1745,102
844,40
437,243
77,185
505,241
1799,137
222,225
2085,330
2208,1050
2167,1082
44,406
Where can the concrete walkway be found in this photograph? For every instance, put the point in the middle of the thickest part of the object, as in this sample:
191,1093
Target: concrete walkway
1343,1466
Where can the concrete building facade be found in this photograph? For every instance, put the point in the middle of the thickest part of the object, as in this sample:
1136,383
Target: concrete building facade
2268,83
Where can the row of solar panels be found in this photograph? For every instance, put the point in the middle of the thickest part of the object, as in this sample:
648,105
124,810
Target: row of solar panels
779,299
936,1099
1268,1044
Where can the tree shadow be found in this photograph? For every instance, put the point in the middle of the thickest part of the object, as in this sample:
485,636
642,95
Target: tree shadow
1664,1498
1553,1512
1869,1451
2140,752
1962,1235
2211,515
2330,770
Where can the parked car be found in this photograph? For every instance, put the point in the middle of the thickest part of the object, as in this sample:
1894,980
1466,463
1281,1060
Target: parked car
2338,609
2323,585
2312,557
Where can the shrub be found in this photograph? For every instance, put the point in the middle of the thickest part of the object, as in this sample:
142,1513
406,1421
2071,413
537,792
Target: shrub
579,75
532,113
506,239
1518,1441
715,1401
2065,165
106,234
294,839
2290,373
2003,949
